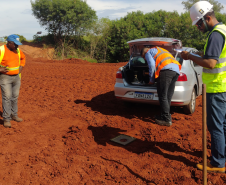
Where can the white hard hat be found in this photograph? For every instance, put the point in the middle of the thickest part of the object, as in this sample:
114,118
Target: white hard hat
198,10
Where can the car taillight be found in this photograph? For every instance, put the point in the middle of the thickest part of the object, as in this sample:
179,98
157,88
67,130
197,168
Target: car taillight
182,77
119,74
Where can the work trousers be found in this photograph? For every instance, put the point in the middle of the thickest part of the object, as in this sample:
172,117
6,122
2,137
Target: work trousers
165,89
10,87
216,123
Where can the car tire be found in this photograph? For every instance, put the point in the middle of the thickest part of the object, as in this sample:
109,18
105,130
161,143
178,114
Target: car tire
190,108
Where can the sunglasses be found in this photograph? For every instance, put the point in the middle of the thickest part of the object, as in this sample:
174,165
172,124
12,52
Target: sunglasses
199,24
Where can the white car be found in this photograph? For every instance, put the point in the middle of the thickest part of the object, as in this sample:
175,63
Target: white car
132,79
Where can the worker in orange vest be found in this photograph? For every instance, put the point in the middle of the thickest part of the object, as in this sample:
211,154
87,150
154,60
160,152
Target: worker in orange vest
165,69
12,61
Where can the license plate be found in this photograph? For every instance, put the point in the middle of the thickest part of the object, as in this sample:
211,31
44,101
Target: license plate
142,95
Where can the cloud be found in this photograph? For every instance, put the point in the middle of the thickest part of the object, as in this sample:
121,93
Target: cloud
116,9
99,5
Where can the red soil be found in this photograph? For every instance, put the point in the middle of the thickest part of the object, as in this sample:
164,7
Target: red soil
70,114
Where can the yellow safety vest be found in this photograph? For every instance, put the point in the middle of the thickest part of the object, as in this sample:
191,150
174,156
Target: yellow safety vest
2,49
215,79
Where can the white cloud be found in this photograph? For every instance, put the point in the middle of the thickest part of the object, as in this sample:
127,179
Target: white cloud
115,9
143,5
99,5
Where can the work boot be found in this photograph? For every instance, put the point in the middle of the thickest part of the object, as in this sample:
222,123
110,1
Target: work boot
211,168
163,122
16,118
7,124
158,117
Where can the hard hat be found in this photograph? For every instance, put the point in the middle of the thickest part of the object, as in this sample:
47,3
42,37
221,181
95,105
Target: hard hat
198,10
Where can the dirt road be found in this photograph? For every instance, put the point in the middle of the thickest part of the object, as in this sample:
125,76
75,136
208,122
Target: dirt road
70,114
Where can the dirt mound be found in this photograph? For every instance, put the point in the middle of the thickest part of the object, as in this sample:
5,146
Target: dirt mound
37,52
70,114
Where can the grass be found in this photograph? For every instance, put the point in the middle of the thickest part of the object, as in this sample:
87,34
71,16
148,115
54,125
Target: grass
76,53
91,60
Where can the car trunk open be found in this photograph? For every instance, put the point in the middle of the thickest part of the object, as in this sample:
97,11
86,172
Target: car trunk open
136,72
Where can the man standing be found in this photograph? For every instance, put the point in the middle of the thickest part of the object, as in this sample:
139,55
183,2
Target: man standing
12,60
166,69
214,76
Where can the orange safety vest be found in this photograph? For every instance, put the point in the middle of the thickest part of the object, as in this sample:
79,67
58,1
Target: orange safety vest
2,49
163,58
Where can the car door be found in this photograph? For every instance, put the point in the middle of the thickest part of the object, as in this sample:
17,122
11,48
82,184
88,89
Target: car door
198,73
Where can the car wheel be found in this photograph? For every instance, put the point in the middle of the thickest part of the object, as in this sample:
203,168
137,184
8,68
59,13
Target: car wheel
190,108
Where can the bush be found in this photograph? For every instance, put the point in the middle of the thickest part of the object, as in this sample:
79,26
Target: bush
47,39
22,38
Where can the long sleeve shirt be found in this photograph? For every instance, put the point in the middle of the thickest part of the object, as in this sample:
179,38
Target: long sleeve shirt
149,56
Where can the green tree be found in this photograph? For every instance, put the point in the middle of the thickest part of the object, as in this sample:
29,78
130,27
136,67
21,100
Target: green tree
98,34
135,25
63,18
217,7
99,38
180,27
128,28
221,17
160,23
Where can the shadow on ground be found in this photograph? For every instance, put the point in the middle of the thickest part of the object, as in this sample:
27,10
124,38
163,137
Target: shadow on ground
103,134
108,104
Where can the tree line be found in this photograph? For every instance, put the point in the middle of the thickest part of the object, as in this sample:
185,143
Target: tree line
73,24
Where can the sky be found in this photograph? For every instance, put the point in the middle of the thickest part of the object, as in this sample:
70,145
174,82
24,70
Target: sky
16,15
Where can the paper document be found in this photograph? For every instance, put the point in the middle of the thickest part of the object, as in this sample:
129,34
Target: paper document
178,50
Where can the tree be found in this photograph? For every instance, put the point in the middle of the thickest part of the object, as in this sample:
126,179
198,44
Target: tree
160,23
217,7
128,28
134,25
98,36
180,27
63,18
221,17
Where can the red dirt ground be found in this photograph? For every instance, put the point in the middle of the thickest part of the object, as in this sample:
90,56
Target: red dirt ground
70,114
